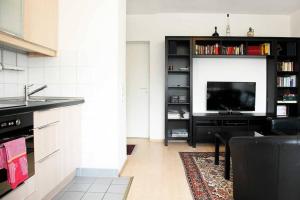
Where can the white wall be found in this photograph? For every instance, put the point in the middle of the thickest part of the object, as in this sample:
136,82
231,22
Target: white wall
91,64
295,24
229,70
155,27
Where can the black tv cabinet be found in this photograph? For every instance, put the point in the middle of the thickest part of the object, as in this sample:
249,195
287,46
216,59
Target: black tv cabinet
206,124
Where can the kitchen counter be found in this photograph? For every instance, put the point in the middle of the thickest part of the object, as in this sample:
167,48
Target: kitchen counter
37,104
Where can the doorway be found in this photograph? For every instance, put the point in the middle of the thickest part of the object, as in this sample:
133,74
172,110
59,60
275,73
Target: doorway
137,89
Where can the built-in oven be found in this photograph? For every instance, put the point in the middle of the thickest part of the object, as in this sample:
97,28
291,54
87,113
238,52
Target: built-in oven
11,128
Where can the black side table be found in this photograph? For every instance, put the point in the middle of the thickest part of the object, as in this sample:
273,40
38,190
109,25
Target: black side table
224,139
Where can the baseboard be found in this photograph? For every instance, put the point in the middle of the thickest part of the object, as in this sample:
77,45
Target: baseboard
156,140
93,172
123,167
58,188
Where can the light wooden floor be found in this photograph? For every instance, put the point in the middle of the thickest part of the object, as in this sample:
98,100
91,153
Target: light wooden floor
158,171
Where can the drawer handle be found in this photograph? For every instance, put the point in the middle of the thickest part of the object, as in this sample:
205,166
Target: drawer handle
49,156
47,125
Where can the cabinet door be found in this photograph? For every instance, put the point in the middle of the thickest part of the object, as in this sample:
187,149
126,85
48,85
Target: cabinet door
11,17
40,22
205,134
48,174
71,128
46,140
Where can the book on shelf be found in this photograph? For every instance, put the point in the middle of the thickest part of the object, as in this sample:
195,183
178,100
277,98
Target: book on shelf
287,81
263,49
281,110
285,67
179,133
287,101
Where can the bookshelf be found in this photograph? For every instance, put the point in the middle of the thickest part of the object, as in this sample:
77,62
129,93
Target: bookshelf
287,78
178,86
283,67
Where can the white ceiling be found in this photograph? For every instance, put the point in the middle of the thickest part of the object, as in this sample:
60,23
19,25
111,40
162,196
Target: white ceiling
213,6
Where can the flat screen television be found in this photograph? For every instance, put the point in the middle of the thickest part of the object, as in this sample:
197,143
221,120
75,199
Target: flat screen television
231,96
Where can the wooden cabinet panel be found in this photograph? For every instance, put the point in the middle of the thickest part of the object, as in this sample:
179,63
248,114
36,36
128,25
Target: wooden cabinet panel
46,140
40,22
48,174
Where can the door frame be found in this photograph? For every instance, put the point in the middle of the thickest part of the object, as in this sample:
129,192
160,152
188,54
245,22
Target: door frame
148,46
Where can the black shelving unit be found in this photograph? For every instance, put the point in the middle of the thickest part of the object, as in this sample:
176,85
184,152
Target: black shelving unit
180,51
178,76
287,59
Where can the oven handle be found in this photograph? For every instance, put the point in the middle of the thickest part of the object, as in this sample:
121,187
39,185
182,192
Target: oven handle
46,126
26,138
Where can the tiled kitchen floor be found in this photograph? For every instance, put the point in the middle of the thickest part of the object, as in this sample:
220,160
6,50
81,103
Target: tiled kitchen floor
89,188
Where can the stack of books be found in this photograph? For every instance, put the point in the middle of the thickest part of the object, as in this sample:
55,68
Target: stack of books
207,49
179,133
288,81
263,49
233,50
285,67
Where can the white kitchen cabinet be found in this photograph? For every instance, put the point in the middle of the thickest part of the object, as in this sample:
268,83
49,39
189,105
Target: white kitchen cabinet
71,128
57,146
48,174
46,133
57,137
11,16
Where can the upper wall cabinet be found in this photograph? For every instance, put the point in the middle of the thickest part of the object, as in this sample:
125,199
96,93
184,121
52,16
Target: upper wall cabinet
12,11
29,25
40,22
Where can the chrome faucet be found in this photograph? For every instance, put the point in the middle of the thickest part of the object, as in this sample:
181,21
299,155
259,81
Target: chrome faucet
28,94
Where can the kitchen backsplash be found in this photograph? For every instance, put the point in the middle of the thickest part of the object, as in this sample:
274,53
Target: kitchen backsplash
11,81
70,74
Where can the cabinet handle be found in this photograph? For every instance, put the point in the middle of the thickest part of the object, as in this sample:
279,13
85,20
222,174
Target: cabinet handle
49,156
47,125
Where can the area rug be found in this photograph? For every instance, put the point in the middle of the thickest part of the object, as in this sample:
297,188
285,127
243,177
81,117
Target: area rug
206,180
130,148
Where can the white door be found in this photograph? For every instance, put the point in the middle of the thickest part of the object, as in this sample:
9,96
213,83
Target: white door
137,81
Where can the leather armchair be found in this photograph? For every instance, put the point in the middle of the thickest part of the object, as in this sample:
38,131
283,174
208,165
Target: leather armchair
266,168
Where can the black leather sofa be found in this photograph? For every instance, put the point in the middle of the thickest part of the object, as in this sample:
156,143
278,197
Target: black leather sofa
266,168
285,126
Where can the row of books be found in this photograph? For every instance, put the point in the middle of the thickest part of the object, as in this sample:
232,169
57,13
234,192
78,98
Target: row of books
233,50
285,67
263,49
217,49
178,133
288,81
207,49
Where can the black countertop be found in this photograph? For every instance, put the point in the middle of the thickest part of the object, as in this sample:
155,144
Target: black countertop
38,105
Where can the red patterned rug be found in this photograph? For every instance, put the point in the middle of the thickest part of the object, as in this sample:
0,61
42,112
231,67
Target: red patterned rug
206,179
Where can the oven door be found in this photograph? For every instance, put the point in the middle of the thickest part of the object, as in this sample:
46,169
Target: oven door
4,186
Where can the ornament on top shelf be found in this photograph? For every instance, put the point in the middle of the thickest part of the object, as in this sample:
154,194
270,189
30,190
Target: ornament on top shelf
250,33
228,26
216,34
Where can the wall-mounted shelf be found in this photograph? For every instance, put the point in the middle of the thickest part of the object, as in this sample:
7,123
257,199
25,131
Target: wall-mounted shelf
228,56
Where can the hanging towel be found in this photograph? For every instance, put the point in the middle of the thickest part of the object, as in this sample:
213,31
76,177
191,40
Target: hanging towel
16,158
3,161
